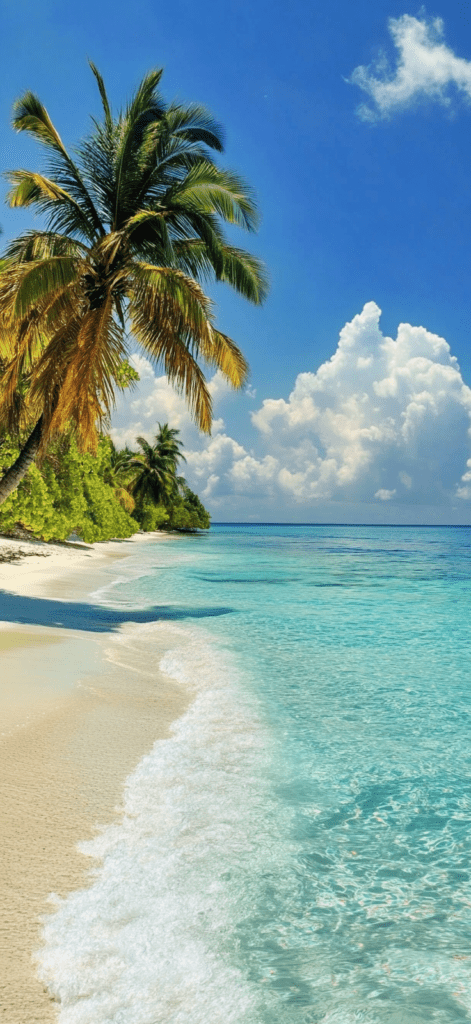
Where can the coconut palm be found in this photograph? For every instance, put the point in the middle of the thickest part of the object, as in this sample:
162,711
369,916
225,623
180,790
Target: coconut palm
155,468
117,473
166,441
133,228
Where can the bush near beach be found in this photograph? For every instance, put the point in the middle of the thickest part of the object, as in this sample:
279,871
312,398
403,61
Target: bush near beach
92,495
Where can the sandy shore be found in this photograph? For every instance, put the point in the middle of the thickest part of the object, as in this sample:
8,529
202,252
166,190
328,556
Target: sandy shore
73,724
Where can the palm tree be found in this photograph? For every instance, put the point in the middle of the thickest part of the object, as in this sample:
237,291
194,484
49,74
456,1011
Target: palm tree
133,228
155,468
166,440
118,472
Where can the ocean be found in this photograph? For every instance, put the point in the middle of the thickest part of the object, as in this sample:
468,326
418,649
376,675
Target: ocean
298,850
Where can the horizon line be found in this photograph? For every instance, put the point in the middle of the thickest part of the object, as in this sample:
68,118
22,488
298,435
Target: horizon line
428,526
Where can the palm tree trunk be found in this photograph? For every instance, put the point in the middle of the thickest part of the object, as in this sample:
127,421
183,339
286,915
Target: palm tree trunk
19,469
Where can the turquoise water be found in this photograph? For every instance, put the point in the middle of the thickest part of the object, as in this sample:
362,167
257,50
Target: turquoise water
299,851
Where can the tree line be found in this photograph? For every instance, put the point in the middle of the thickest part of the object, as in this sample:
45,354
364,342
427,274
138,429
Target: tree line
101,495
132,232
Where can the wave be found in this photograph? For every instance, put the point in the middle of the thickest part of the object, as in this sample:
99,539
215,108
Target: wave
152,939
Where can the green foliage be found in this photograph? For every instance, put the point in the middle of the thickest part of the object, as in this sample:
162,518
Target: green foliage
87,494
154,468
32,507
125,499
150,516
188,513
163,500
126,376
106,517
68,494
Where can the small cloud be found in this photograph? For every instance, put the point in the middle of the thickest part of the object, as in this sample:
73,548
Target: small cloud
385,495
251,392
426,68
218,387
465,492
406,480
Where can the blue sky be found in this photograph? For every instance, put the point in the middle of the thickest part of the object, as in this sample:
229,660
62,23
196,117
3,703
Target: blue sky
359,206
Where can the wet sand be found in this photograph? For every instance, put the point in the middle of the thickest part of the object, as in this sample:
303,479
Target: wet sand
73,725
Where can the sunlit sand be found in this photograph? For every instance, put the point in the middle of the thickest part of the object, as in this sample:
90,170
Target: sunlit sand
73,726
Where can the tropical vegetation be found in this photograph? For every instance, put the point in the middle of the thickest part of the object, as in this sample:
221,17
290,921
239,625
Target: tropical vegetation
133,229
101,495
155,468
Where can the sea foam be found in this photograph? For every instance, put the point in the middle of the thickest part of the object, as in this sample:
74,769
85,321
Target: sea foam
151,940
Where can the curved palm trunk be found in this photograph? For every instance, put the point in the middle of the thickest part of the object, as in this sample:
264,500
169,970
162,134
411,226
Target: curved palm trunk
19,469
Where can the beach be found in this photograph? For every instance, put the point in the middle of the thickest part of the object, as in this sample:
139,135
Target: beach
295,846
73,726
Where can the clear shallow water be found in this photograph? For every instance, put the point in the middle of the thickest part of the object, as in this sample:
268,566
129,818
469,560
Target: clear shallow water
298,851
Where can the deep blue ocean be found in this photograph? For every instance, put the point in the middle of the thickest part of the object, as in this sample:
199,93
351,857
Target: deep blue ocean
298,851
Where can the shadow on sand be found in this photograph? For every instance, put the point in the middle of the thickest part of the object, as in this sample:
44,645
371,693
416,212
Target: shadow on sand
38,611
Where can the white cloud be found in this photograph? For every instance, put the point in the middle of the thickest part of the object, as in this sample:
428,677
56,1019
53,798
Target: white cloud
382,418
426,68
153,401
218,387
385,423
465,492
385,495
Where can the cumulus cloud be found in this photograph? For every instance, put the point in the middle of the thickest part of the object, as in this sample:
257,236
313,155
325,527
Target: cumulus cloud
384,423
426,68
381,419
153,401
139,410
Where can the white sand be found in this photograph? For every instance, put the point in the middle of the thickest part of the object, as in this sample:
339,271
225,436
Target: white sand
72,727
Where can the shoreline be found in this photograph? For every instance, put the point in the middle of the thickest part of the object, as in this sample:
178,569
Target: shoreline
75,723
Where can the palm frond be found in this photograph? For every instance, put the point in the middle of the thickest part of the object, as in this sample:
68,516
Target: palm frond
169,316
146,98
207,189
36,245
97,155
104,97
145,109
39,281
19,352
244,272
173,300
194,258
50,199
93,358
34,188
173,144
30,115
60,308
50,372
148,233
146,447
224,355
171,160
194,123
